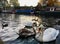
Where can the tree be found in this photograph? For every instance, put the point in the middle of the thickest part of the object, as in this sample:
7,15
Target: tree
14,3
51,2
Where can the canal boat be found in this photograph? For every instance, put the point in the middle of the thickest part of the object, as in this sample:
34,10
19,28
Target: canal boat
24,11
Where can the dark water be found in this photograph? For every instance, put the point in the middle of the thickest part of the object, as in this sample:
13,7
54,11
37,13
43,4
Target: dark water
23,18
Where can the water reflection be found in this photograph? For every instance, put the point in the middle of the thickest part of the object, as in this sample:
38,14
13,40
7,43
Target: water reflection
19,19
15,20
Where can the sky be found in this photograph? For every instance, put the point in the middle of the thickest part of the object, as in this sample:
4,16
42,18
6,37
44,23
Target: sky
27,2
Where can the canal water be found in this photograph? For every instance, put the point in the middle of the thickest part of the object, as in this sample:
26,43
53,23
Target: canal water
15,20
